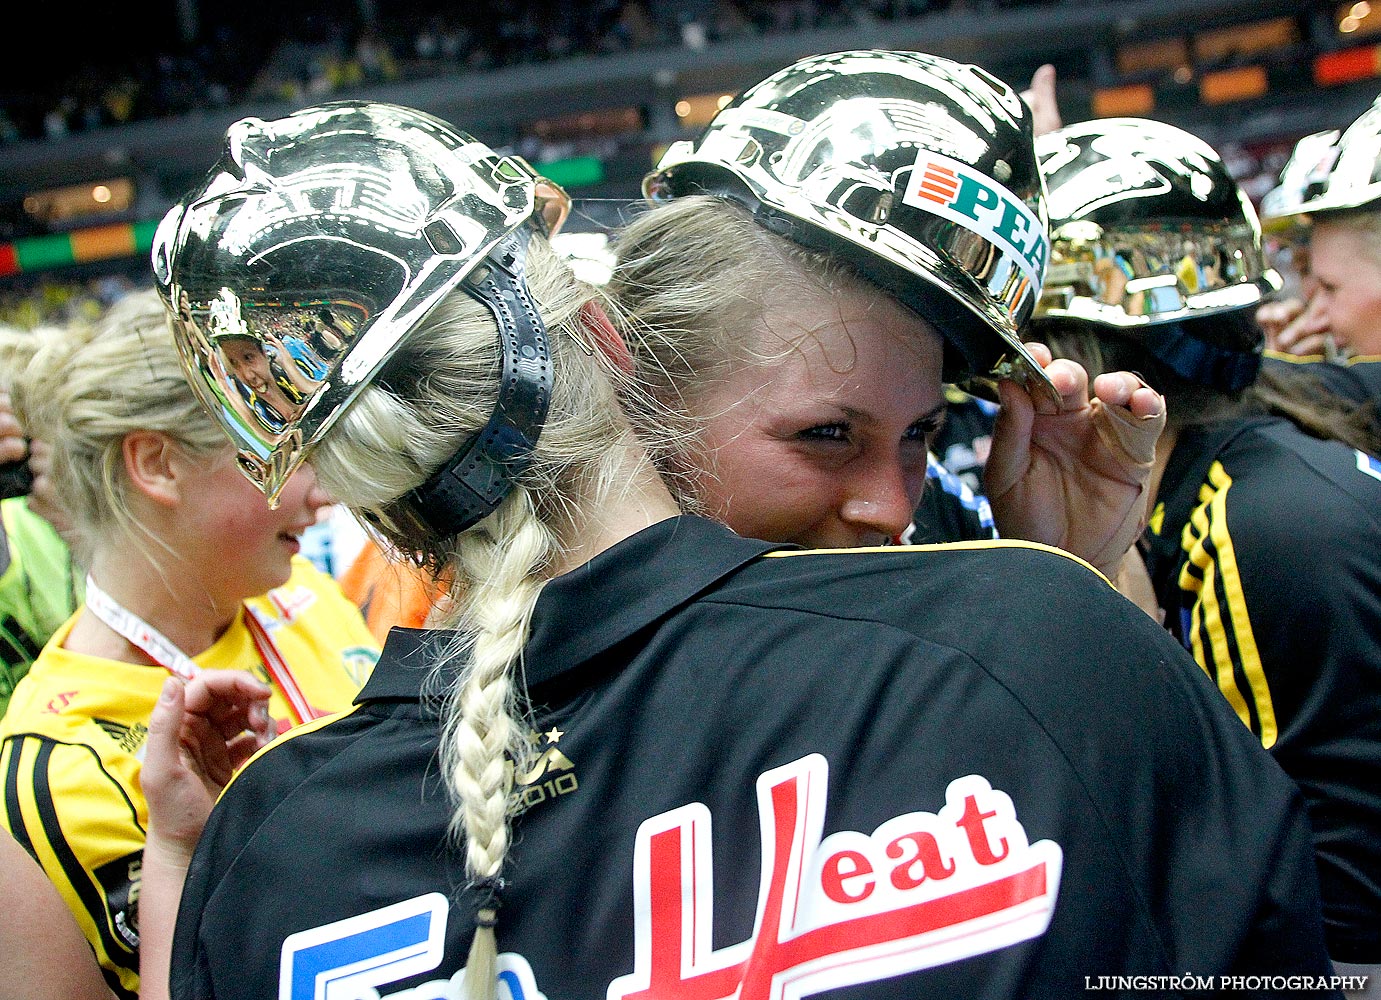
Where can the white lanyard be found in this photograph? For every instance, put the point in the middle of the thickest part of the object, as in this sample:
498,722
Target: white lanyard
163,652
139,632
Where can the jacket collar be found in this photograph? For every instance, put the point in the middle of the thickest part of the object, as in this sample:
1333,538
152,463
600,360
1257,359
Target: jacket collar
593,607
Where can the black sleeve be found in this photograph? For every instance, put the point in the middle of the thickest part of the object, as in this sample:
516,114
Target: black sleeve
1198,811
1224,789
1287,622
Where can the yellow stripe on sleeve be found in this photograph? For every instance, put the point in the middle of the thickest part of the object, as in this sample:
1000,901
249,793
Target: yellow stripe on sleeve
1209,547
1247,650
975,544
19,761
1206,616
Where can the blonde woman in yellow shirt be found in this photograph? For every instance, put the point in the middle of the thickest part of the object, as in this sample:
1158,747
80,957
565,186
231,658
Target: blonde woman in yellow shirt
189,571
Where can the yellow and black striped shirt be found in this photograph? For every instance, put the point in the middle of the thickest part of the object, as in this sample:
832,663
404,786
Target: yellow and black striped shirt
1265,550
72,745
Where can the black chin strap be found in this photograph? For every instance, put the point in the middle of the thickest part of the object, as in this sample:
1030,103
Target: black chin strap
1182,346
476,479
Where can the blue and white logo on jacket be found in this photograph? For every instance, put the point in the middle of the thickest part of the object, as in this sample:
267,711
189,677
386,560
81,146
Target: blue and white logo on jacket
350,959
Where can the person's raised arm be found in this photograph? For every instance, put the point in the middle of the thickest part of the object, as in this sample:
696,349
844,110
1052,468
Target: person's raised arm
199,735
1075,477
43,955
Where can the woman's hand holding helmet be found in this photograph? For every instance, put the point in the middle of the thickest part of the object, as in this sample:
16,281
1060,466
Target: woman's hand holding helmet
1075,477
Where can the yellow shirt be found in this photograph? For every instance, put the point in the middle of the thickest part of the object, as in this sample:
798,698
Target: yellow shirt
72,743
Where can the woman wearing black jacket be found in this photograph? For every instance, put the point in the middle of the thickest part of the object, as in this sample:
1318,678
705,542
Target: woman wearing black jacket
645,756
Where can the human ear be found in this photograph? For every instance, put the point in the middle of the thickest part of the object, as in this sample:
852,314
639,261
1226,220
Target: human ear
152,465
605,337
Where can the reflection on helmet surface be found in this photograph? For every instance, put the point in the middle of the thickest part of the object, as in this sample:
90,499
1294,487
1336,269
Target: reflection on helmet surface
276,354
1147,225
1324,175
312,247
1302,177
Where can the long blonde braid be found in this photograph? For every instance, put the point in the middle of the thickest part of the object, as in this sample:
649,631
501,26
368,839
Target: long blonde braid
431,398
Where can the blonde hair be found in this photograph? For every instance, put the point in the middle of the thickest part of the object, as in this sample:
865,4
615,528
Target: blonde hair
1364,222
17,347
84,387
693,278
431,398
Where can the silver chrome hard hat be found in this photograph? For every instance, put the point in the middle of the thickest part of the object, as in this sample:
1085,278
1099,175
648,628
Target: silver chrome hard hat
1302,177
1347,176
916,170
1147,226
317,242
1152,240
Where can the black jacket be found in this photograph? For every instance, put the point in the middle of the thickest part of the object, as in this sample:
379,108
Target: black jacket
1357,380
1265,551
965,770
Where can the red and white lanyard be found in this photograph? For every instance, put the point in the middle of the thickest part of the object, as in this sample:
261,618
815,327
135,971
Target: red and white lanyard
163,652
299,709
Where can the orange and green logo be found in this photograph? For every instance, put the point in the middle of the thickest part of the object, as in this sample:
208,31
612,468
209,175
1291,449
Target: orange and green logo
957,192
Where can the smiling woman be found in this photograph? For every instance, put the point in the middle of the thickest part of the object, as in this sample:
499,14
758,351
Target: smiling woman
190,570
833,430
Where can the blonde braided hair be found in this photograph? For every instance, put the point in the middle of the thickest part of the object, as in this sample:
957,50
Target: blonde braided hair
432,397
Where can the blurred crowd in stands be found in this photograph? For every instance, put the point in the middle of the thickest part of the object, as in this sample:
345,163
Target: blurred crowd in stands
58,298
327,53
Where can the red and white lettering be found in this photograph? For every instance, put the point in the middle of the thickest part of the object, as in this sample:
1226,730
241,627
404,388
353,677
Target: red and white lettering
921,890
289,603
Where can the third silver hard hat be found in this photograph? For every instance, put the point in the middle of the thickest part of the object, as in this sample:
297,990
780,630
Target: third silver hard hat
1301,178
1153,241
1147,226
1347,175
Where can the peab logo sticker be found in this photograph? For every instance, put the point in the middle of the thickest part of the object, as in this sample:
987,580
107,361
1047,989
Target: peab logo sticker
955,191
923,889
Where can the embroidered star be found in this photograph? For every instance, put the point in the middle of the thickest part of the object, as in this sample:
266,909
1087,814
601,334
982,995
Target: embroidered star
554,735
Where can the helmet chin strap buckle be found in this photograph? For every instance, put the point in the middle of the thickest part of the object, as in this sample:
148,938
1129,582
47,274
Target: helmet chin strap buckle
477,478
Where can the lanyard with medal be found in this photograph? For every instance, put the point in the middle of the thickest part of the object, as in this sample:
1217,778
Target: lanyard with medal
166,654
